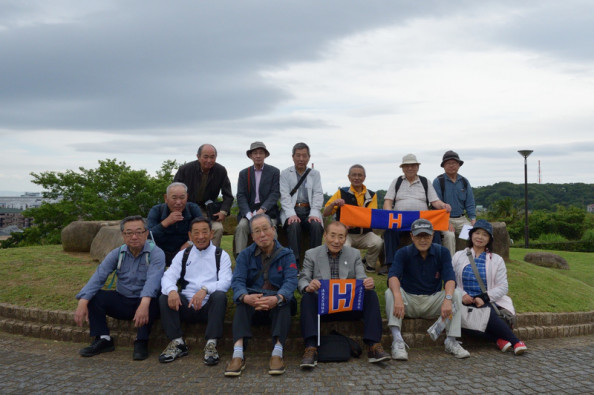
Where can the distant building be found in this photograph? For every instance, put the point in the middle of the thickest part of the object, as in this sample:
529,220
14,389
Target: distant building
13,217
590,208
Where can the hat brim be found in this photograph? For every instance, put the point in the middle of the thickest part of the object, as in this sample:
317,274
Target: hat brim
419,231
461,162
248,152
409,163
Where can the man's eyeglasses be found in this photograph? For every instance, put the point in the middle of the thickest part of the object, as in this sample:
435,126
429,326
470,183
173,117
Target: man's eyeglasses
261,230
138,233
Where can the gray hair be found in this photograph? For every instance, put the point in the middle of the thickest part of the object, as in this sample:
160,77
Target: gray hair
357,166
336,223
176,184
130,219
257,216
301,146
204,145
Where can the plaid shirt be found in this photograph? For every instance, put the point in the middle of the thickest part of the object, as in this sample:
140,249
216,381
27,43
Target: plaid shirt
471,285
334,264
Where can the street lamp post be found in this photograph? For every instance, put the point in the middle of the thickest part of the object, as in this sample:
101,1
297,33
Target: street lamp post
525,154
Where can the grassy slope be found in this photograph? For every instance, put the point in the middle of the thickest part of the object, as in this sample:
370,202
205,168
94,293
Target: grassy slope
47,277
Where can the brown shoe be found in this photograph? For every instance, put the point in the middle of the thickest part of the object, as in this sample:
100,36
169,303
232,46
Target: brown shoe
377,354
277,365
310,358
235,367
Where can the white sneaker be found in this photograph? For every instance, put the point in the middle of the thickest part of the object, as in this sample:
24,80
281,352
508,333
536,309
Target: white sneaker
454,348
399,350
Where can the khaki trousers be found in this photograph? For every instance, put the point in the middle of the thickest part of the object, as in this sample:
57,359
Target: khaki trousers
424,306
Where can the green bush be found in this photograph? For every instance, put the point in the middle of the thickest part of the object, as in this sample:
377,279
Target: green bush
550,238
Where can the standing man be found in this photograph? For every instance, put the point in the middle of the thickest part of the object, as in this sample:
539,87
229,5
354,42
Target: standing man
139,266
357,195
257,193
263,283
205,180
204,275
455,190
335,260
415,289
409,192
302,199
169,222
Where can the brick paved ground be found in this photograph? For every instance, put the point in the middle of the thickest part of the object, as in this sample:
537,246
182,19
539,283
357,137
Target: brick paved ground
564,365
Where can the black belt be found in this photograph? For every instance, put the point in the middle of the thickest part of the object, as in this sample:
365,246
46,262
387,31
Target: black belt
459,216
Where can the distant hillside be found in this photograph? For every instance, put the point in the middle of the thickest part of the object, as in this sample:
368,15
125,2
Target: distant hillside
540,196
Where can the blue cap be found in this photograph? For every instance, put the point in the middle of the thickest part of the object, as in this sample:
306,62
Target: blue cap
421,226
483,224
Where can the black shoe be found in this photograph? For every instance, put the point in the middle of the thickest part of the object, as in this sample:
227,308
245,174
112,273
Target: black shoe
383,271
140,350
310,358
98,346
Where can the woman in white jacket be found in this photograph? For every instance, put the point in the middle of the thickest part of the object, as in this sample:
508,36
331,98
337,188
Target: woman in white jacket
492,271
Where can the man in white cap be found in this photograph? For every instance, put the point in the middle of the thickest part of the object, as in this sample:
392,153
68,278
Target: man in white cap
415,284
409,192
257,193
454,189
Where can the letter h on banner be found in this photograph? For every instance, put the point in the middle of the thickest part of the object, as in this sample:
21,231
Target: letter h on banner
335,296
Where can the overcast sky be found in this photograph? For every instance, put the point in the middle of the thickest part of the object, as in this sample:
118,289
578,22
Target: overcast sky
359,81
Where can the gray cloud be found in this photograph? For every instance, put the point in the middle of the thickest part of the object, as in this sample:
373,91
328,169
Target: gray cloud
149,65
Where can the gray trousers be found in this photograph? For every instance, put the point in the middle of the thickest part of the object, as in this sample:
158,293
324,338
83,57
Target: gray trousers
212,313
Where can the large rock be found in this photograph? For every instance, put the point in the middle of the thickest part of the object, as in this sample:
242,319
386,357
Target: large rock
78,235
547,259
108,238
500,239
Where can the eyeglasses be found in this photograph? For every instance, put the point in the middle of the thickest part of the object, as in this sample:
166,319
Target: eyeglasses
138,233
262,230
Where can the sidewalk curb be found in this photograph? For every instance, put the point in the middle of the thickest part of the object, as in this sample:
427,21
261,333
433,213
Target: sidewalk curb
59,325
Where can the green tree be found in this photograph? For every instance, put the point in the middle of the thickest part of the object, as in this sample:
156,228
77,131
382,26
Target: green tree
111,191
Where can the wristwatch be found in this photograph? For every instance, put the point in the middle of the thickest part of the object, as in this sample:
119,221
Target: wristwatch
279,300
448,297
205,289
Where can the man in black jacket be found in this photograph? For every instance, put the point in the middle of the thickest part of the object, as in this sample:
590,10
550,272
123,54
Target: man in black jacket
205,180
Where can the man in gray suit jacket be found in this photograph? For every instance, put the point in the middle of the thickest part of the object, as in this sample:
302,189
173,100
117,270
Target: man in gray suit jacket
301,207
336,261
257,193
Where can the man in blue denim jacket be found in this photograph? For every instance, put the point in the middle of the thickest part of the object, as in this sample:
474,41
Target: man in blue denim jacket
139,267
263,283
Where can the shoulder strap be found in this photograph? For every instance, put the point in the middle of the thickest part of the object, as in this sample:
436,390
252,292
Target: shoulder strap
182,281
264,270
478,278
300,182
441,179
249,183
426,187
218,252
397,187
115,272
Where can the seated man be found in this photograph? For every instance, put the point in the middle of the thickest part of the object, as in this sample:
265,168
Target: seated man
415,280
357,195
263,283
301,199
334,260
139,267
204,274
169,222
257,193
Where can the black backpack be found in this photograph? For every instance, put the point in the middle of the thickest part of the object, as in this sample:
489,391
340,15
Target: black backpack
441,179
425,186
182,283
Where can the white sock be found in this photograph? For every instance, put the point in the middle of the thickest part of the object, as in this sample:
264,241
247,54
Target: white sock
450,339
213,341
396,335
238,352
277,350
179,340
106,337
